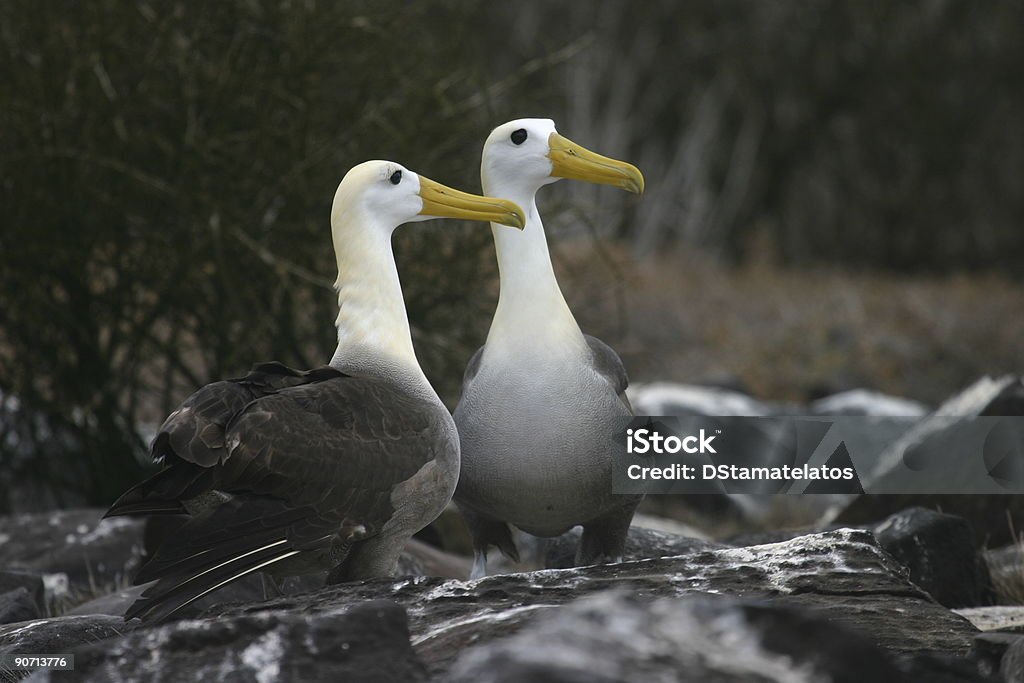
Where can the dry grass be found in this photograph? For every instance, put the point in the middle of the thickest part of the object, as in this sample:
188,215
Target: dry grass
794,334
1008,582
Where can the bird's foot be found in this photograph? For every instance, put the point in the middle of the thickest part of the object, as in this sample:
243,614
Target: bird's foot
479,570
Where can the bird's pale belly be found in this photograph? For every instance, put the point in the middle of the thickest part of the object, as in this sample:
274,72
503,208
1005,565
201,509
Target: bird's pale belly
539,458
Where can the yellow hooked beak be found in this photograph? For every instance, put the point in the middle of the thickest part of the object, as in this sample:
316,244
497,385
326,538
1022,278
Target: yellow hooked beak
446,202
569,160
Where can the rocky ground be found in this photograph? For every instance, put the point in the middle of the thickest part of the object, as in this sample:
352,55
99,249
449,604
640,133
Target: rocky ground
834,606
926,592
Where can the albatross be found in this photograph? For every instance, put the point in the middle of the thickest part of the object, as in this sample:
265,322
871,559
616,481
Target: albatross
541,400
286,471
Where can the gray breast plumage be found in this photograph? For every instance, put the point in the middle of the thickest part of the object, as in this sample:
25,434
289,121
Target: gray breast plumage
537,436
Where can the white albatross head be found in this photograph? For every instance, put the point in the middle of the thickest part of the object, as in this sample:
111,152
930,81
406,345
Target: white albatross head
381,195
372,200
521,156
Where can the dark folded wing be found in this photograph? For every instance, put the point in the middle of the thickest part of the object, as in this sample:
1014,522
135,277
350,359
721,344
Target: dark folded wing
608,363
191,440
195,431
308,466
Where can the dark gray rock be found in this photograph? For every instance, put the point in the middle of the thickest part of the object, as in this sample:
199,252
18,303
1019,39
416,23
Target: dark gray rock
992,518
366,643
17,605
922,461
76,553
939,551
1012,666
31,582
641,544
937,467
990,648
59,634
932,667
844,572
619,637
746,538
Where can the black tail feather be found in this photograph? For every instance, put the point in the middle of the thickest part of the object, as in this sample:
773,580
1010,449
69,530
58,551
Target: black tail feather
171,594
240,536
189,560
146,507
162,493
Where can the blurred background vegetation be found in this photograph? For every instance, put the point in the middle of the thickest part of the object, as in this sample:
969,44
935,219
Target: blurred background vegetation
833,196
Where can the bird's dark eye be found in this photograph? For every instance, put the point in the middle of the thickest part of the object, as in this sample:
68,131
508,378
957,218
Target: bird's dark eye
396,177
519,136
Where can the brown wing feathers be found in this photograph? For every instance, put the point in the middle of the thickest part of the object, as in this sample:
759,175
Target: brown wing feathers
239,537
309,458
195,434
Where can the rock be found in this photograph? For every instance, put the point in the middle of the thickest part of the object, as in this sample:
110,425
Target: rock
792,588
778,587
641,544
746,538
990,648
668,526
670,398
883,420
939,551
934,667
621,637
57,635
17,605
843,571
872,423
33,583
1012,666
989,516
865,403
1010,400
366,643
996,618
922,462
76,553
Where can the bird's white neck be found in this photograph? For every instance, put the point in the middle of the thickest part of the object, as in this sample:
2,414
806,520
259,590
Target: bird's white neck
373,327
530,303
